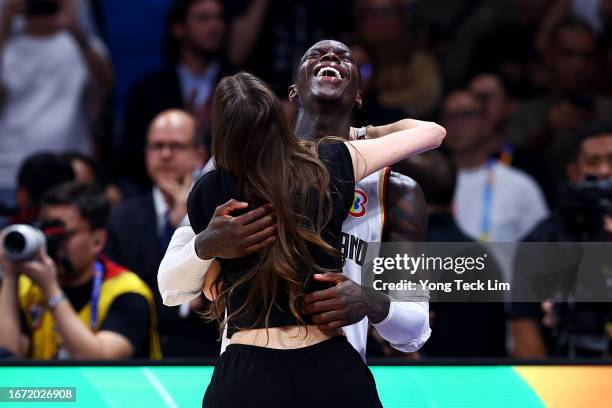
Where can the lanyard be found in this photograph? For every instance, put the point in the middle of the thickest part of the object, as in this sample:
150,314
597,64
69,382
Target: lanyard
487,201
95,293
507,154
61,353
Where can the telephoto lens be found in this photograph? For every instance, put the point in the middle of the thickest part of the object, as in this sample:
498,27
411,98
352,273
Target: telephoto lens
22,242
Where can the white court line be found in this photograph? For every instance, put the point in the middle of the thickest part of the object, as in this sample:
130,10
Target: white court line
159,387
84,371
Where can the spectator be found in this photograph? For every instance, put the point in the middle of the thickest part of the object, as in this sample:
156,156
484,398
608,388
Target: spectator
532,339
269,37
54,294
140,229
479,329
493,202
53,80
87,171
490,90
403,77
437,24
37,174
196,38
547,125
510,50
498,106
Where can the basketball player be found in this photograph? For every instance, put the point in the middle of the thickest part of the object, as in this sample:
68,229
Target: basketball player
384,198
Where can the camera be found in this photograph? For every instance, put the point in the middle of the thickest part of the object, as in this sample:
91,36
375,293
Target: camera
581,329
22,242
42,7
583,205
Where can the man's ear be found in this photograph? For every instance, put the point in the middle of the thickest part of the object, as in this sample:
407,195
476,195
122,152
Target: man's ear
99,239
359,99
292,92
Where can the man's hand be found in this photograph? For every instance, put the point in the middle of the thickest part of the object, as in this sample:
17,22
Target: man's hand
42,271
234,237
7,267
345,303
176,193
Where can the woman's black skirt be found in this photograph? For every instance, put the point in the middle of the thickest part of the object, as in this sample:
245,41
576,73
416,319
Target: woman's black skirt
327,374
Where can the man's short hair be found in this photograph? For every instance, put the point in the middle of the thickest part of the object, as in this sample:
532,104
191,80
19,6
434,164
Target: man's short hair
590,132
89,200
42,171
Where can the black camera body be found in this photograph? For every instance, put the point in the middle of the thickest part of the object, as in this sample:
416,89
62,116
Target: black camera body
583,205
581,329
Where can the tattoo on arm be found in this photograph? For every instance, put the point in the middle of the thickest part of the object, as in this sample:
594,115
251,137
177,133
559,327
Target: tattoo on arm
406,211
406,222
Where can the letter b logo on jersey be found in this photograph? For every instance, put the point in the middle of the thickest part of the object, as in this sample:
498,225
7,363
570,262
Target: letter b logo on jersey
358,209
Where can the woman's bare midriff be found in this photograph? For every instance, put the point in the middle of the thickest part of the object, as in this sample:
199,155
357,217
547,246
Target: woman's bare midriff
286,337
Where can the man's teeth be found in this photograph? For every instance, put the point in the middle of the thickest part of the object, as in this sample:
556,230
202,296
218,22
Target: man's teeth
329,71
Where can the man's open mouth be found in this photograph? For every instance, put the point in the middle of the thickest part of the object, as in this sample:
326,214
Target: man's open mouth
328,71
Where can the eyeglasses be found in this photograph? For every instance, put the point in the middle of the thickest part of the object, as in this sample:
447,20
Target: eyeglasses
57,230
173,147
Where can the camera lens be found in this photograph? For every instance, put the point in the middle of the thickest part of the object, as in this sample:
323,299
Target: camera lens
14,242
21,242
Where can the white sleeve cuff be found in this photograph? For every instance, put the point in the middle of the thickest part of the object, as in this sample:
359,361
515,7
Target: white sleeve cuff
181,273
406,327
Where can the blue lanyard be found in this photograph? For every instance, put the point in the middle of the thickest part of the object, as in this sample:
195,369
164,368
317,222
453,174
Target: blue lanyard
487,201
95,293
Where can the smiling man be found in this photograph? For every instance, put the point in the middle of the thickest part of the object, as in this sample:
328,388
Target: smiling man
326,91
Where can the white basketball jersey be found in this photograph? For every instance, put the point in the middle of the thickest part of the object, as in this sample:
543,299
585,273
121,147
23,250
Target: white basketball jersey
364,224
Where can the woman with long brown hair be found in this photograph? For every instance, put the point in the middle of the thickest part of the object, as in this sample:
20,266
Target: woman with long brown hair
277,356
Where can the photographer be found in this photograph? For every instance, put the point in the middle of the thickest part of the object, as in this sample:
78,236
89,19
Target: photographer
69,301
584,215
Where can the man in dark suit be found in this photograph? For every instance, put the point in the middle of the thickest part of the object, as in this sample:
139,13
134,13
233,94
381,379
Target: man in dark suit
194,49
140,229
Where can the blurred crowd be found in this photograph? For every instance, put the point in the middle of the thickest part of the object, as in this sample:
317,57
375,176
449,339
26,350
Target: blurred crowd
105,112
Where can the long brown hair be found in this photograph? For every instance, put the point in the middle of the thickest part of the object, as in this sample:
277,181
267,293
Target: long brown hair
253,142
